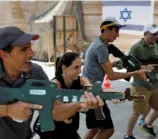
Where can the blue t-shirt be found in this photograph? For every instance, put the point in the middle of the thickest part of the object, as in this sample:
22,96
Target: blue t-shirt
10,129
96,54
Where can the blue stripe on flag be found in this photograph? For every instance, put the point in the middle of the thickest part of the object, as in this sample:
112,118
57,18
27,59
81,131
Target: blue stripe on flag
133,27
126,3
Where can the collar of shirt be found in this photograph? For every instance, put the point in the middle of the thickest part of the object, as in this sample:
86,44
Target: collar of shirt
25,75
146,45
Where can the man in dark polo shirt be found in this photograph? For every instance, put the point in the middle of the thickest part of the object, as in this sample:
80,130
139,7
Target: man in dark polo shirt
145,49
15,69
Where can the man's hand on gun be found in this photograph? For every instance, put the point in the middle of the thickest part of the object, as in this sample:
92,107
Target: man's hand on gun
142,72
117,101
148,67
21,110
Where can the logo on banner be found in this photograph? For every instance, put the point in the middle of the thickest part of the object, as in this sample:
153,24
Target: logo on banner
125,15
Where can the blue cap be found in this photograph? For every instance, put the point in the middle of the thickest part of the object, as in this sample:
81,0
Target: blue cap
14,36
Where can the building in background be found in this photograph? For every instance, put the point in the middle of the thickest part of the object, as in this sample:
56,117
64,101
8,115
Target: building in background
37,16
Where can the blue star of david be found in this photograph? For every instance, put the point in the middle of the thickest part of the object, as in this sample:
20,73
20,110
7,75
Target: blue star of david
125,14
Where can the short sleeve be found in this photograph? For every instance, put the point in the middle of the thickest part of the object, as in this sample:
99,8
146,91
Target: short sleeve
102,54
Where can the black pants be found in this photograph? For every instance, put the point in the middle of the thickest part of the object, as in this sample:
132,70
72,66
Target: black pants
91,121
56,134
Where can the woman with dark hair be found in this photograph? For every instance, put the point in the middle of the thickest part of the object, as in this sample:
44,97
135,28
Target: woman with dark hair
68,68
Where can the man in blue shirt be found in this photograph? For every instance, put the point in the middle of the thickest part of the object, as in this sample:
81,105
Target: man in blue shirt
96,65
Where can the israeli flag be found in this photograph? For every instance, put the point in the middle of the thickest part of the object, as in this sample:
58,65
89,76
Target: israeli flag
135,14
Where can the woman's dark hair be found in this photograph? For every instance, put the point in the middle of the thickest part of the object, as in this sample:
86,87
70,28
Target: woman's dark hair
66,60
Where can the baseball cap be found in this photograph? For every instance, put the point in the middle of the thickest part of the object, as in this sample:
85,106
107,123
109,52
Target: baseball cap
152,28
110,21
14,36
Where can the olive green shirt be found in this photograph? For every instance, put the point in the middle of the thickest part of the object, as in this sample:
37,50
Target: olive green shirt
141,50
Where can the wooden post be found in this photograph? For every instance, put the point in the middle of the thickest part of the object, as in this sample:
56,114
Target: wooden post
54,36
64,34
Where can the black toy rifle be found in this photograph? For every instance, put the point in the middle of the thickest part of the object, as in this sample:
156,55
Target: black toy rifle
152,61
130,63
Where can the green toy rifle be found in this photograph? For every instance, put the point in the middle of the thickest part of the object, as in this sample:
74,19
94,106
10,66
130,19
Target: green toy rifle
44,92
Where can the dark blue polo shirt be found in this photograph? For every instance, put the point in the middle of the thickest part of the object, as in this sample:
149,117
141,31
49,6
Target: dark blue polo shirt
10,129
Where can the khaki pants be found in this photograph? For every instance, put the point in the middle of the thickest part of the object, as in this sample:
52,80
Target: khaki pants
140,105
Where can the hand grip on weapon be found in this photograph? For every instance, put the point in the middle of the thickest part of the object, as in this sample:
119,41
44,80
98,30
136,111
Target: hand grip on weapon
90,101
142,73
21,111
116,101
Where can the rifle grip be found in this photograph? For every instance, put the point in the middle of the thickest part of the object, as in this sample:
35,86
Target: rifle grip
46,118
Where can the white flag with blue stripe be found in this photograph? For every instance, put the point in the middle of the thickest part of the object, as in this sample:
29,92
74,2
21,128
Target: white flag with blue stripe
133,13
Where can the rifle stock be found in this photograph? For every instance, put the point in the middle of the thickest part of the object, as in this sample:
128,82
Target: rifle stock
115,51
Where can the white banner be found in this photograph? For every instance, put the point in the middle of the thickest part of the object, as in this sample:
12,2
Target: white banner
133,13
